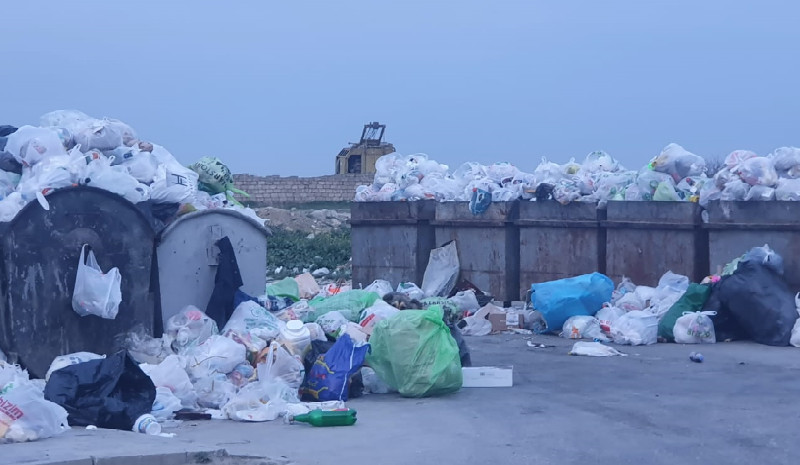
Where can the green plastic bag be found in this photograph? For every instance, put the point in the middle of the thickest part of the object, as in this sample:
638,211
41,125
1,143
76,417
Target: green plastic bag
350,304
414,353
692,301
215,177
286,287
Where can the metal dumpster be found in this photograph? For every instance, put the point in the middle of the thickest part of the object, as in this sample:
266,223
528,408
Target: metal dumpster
188,257
391,241
40,254
644,240
735,227
488,245
559,241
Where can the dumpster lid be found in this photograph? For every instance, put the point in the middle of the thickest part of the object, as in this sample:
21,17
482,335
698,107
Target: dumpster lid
221,211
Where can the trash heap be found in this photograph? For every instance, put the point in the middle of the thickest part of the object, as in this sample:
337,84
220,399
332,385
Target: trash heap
70,148
674,175
749,301
299,351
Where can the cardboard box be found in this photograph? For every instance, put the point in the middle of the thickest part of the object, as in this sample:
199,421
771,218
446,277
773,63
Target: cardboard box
475,377
506,320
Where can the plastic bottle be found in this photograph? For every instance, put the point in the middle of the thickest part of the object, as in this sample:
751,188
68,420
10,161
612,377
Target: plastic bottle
147,424
296,337
328,418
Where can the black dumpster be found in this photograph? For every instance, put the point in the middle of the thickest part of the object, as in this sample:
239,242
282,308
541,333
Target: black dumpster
391,241
559,241
40,250
644,240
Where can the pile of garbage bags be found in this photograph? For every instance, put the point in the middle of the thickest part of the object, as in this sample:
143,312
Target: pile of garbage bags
70,148
674,175
750,301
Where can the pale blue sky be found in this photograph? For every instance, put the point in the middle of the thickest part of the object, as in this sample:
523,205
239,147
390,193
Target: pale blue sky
280,87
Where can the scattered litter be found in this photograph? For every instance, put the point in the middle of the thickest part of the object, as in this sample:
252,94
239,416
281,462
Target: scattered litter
480,377
594,349
538,345
696,357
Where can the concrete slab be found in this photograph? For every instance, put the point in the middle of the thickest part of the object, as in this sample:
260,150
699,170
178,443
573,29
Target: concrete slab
653,406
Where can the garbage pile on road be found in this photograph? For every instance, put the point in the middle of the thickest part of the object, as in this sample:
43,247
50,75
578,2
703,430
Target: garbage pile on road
674,175
749,301
70,148
300,351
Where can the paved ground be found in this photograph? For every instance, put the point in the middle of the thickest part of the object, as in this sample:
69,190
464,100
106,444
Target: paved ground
652,407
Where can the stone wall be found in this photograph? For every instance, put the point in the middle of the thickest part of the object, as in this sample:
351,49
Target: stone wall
278,190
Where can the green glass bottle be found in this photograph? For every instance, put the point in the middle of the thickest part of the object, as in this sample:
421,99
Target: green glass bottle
328,418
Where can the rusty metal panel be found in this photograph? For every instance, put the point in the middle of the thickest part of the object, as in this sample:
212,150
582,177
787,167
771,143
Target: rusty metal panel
644,240
391,241
559,241
488,245
735,227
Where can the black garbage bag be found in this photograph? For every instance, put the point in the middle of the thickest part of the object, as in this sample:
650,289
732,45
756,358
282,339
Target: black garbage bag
109,393
760,302
725,327
463,350
227,281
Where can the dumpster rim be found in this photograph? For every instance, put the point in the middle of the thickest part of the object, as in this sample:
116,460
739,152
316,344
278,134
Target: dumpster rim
224,211
33,204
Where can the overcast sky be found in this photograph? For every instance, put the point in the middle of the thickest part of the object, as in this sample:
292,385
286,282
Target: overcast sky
279,87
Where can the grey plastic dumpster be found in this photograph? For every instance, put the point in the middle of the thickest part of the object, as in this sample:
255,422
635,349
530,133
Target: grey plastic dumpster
40,254
488,245
559,241
644,240
736,227
391,241
188,257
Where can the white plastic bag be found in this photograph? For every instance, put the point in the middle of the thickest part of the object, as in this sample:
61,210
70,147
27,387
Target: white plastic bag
173,182
281,365
214,391
380,287
11,206
71,359
582,326
607,316
332,322
378,312
171,374
475,326
466,301
99,135
25,415
96,293
166,404
118,181
189,328
442,271
635,328
695,328
217,355
630,302
795,340
411,290
251,318
29,145
594,349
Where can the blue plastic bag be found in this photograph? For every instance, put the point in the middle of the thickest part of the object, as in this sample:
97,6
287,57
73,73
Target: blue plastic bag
329,378
581,295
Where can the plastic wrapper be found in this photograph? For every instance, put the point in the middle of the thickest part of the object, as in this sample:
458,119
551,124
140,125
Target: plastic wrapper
760,193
